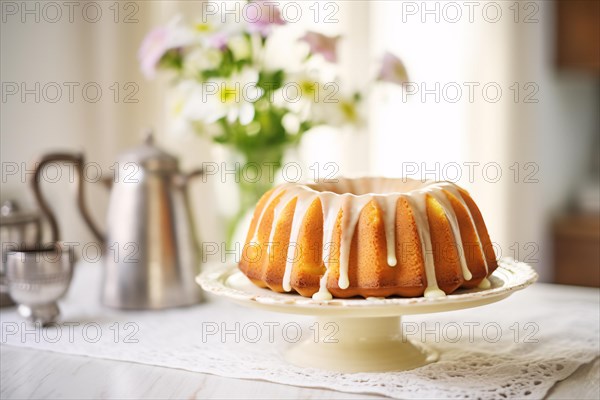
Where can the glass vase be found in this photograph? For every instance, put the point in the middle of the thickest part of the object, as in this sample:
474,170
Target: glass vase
245,176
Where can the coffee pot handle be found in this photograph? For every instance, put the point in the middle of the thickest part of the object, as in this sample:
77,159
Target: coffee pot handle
77,160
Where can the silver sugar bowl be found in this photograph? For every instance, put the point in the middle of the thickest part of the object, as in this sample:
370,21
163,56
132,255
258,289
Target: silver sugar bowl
37,278
18,229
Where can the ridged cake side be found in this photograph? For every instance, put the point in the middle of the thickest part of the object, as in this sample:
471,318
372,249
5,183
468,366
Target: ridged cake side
429,240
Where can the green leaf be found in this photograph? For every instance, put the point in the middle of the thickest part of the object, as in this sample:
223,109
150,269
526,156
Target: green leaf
172,59
270,81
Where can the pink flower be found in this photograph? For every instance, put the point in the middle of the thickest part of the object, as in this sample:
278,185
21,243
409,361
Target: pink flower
151,51
262,15
392,70
158,42
322,44
217,40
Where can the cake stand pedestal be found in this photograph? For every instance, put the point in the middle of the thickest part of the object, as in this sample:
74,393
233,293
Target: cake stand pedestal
359,345
362,335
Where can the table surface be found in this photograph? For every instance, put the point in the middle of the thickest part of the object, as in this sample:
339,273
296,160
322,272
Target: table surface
27,373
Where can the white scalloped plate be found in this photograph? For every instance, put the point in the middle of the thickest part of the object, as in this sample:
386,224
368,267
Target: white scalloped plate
229,282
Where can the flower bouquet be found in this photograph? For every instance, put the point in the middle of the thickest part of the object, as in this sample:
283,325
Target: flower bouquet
232,83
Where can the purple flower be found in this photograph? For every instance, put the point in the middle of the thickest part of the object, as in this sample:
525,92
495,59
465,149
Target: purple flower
158,42
217,40
322,44
262,15
392,70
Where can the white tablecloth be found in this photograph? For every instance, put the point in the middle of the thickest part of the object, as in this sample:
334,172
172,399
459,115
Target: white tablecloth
519,347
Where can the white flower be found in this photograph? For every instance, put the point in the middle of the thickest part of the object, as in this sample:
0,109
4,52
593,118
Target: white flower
282,50
201,59
240,47
337,111
178,97
214,30
179,120
232,98
299,92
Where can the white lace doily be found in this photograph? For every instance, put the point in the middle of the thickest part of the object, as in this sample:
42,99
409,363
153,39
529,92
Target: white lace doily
519,347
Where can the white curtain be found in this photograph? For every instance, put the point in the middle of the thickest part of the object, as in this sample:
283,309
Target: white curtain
539,143
552,133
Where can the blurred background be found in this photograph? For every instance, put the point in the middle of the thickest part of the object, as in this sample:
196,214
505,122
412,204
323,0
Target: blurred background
503,98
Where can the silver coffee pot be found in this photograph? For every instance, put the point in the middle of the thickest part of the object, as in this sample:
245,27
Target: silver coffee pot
151,253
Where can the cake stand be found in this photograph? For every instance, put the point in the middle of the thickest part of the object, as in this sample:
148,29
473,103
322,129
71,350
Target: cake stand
362,335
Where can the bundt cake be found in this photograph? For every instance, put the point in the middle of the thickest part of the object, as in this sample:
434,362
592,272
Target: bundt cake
369,237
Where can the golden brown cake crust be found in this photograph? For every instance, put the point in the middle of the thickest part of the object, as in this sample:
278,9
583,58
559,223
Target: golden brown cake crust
410,219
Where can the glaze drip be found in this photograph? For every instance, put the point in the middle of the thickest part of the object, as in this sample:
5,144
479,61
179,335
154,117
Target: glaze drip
350,196
351,208
442,200
387,204
418,203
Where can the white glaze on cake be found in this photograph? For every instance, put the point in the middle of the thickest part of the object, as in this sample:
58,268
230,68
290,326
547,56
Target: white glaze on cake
351,196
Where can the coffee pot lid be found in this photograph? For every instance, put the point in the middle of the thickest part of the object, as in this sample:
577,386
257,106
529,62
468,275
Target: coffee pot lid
10,214
150,157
